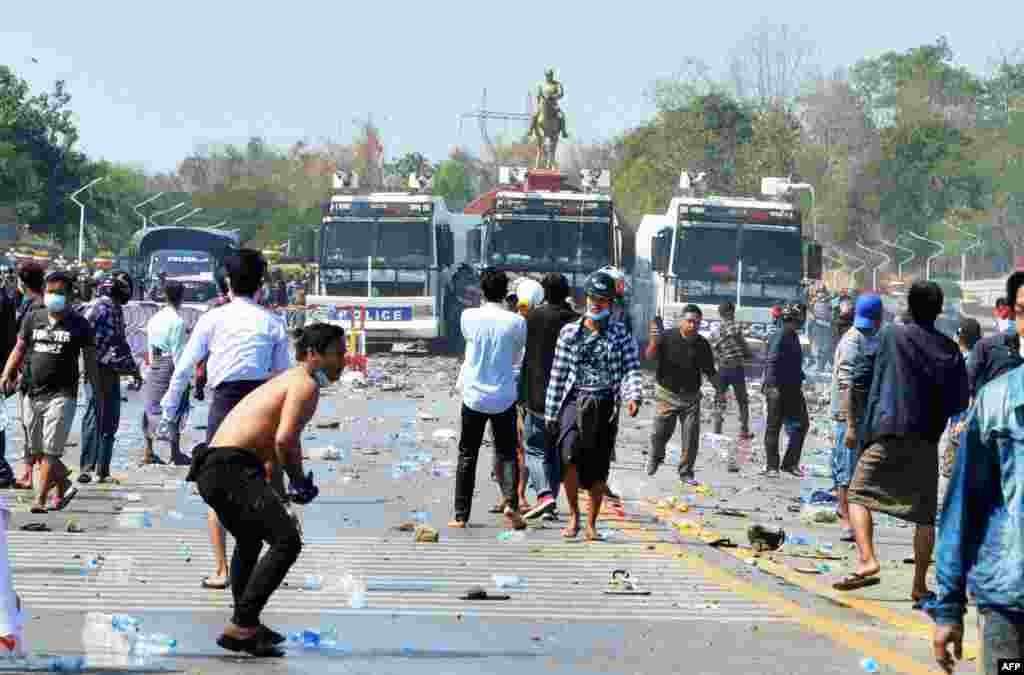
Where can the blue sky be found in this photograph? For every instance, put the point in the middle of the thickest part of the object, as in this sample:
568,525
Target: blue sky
150,85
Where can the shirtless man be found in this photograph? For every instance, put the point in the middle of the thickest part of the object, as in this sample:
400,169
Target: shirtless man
265,427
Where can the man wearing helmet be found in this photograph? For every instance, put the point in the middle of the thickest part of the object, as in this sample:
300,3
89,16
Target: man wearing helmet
783,390
596,366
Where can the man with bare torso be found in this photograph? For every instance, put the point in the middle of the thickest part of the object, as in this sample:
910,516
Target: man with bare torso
263,427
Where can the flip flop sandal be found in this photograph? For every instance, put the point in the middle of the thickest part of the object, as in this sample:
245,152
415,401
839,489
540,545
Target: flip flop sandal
622,584
66,499
723,542
213,587
570,537
477,593
855,581
730,512
256,645
39,510
35,527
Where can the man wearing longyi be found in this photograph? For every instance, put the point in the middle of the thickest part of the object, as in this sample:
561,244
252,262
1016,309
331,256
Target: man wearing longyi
263,427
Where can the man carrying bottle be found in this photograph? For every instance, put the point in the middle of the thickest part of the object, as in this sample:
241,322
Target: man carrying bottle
265,427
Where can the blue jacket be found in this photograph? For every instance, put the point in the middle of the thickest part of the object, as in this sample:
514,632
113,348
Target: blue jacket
981,532
919,382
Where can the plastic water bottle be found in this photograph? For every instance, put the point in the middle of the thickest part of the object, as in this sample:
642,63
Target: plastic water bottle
311,639
328,637
673,455
312,582
66,664
156,644
125,622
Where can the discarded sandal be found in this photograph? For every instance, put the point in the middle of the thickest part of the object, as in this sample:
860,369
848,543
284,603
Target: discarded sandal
35,527
258,645
478,593
207,584
854,581
622,584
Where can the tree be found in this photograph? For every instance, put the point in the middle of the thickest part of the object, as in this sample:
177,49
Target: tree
452,183
771,64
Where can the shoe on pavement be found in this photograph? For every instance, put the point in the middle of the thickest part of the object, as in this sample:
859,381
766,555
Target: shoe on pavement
796,473
85,477
652,464
765,538
770,473
734,467
543,506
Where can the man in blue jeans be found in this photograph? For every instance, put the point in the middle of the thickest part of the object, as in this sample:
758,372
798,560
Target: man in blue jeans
860,339
543,325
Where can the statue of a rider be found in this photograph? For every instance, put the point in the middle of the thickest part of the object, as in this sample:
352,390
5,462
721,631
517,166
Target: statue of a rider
549,90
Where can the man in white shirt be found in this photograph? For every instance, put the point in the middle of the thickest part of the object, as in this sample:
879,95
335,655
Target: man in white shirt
495,339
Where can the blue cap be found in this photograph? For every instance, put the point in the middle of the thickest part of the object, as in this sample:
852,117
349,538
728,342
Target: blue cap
868,312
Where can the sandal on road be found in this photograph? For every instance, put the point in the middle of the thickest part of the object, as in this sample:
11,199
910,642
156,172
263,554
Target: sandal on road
921,602
478,593
622,584
214,586
571,532
854,581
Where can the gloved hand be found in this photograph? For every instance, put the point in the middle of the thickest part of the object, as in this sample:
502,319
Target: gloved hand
304,491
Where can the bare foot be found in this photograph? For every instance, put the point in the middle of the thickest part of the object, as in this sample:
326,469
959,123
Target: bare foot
868,569
573,529
590,534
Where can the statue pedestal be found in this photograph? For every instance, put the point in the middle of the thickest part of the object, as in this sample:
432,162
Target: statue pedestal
546,180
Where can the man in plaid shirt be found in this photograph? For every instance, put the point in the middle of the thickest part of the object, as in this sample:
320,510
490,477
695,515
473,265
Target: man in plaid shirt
596,366
731,353
113,358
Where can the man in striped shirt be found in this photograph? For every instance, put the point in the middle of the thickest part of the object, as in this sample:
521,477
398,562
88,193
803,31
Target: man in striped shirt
731,352
596,367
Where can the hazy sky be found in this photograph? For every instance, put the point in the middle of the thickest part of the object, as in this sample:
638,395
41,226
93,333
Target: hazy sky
149,85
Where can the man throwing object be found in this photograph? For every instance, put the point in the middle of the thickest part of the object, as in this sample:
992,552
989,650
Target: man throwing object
264,427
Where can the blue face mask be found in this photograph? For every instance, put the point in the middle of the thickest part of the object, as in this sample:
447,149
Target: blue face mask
598,316
54,302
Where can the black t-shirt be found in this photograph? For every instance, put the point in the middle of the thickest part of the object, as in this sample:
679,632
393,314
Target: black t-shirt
52,352
681,360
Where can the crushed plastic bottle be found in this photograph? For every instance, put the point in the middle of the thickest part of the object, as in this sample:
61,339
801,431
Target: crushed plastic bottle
175,515
185,551
511,535
312,582
502,581
869,665
329,637
66,664
156,644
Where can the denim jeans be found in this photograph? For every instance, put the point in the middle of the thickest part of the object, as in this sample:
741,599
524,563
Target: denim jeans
1002,637
100,422
233,483
842,457
543,461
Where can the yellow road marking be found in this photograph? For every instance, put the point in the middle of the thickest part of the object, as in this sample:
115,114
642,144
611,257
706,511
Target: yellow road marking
910,625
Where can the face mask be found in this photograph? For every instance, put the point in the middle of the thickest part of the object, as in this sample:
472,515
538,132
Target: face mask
600,315
54,302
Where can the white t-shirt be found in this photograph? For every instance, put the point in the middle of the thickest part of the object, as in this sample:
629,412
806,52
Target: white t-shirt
495,339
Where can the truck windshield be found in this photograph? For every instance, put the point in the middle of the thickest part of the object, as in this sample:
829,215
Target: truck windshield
772,257
706,253
522,243
391,244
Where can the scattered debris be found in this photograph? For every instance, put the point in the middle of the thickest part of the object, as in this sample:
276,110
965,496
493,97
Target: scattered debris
426,535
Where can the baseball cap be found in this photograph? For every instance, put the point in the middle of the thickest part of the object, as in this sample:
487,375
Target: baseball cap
868,312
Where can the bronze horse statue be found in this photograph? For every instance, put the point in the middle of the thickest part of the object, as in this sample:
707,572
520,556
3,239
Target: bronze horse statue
545,132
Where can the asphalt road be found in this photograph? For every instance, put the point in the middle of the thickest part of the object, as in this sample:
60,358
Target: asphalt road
708,612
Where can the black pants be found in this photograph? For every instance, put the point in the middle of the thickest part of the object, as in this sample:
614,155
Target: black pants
735,377
232,482
506,438
788,403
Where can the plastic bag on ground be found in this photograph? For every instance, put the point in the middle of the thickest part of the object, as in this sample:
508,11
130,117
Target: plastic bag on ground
445,435
812,513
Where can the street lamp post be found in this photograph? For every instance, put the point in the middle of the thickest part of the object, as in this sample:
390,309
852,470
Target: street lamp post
177,206
928,263
81,215
963,253
899,265
138,206
187,215
874,271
